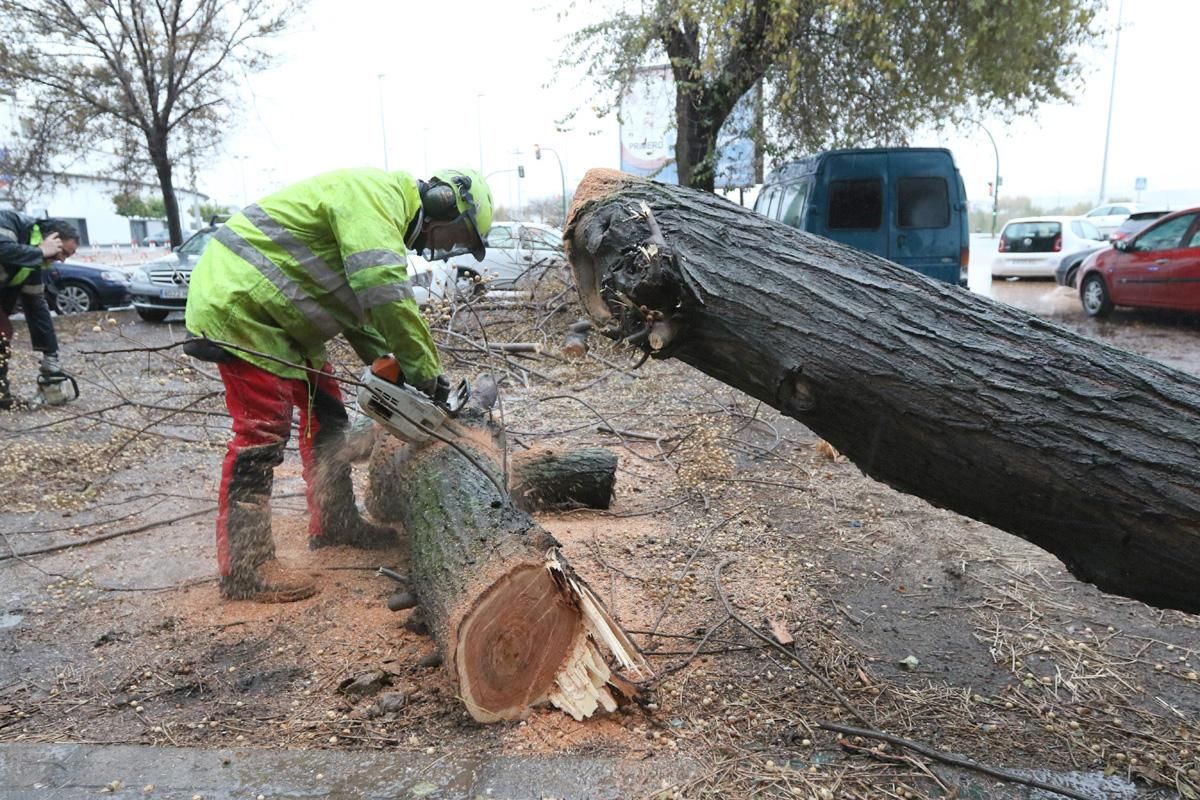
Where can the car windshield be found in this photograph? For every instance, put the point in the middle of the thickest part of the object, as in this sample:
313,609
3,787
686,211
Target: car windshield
1036,236
538,239
195,245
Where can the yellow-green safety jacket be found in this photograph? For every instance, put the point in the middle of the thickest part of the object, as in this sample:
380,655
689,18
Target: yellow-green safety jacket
318,258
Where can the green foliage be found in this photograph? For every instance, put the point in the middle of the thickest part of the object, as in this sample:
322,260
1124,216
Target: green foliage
210,210
128,204
839,72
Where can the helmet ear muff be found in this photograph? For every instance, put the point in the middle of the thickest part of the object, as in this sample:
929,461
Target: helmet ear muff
439,202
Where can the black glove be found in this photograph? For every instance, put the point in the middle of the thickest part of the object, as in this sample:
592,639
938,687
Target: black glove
438,388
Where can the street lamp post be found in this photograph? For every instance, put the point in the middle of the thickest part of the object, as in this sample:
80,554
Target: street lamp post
996,185
382,122
1112,90
520,170
537,153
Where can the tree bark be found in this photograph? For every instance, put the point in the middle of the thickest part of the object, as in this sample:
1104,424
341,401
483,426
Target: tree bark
162,167
1089,452
582,478
516,626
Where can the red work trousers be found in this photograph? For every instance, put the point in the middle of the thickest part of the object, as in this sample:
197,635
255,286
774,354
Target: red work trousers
261,405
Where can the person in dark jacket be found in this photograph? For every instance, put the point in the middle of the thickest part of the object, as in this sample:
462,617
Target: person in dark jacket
27,245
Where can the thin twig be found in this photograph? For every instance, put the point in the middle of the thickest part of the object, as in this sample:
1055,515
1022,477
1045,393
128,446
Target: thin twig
953,760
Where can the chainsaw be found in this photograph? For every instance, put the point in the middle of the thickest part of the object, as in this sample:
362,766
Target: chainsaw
406,412
53,389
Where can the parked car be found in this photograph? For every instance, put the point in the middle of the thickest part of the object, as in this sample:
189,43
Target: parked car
160,286
1134,223
74,287
1108,218
1157,267
430,280
513,249
1041,247
163,238
907,204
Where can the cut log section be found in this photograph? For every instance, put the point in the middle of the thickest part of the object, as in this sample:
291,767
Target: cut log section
1090,452
575,342
582,478
517,626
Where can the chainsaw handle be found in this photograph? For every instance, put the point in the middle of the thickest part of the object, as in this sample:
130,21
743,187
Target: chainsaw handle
388,368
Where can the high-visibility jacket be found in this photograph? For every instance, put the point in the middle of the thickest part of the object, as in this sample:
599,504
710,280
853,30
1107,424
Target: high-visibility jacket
22,277
318,258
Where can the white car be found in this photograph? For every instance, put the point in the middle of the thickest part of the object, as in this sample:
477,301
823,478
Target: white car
513,249
429,280
1036,246
1108,218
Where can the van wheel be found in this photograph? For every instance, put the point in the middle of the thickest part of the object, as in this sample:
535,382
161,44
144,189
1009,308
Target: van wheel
1094,296
1072,275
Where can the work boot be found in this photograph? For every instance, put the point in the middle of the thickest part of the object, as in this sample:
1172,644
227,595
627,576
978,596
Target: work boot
253,572
270,583
341,522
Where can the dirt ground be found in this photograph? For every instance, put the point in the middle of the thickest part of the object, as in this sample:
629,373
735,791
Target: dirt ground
931,626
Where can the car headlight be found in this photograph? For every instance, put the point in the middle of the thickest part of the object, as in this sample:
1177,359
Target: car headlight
115,276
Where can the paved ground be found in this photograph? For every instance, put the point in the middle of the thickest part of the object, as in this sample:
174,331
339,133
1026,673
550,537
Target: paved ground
73,770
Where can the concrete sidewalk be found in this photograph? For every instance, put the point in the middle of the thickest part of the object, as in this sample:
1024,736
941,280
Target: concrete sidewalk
62,771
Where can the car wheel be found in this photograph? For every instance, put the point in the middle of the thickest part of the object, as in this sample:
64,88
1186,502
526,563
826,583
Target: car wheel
75,298
1072,275
1094,296
152,314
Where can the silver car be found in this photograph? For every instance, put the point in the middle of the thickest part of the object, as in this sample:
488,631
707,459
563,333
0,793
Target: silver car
513,249
161,286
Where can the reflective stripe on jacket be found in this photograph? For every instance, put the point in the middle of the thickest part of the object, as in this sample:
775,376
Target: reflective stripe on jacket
318,258
19,256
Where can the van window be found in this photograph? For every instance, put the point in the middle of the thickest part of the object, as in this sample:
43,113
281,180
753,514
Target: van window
924,203
793,212
787,195
856,204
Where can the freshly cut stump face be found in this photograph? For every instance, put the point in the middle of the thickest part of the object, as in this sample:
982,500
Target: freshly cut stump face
513,643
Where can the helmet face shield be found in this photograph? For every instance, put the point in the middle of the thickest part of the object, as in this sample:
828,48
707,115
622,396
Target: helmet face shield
450,238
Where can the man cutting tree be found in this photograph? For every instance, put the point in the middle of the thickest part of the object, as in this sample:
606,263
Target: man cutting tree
322,257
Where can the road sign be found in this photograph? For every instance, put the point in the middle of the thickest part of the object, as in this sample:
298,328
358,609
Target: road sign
1139,184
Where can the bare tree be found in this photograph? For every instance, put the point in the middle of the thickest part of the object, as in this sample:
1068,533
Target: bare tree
151,77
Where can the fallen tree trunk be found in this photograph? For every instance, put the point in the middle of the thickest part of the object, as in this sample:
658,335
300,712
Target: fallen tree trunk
1090,452
582,478
516,626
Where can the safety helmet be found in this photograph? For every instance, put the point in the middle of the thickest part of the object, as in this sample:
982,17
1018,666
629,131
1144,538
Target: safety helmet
473,198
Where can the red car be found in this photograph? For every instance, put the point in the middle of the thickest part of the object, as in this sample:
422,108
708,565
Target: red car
1158,267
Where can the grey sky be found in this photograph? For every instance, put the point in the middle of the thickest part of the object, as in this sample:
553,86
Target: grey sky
456,73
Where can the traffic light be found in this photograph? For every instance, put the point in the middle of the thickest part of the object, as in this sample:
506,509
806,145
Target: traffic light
989,188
